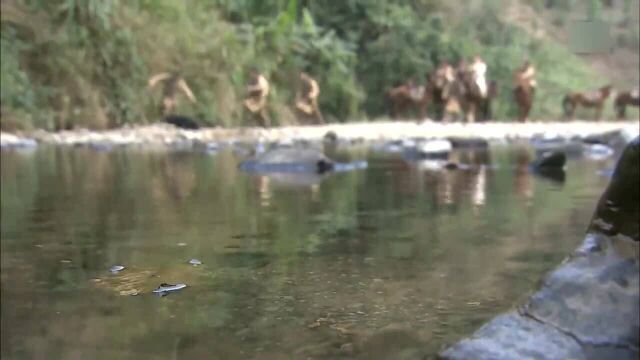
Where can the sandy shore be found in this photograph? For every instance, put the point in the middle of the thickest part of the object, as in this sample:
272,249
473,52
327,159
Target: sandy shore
164,134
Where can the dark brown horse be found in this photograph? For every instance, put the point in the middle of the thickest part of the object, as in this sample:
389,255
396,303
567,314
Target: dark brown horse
524,94
407,96
472,101
593,99
625,98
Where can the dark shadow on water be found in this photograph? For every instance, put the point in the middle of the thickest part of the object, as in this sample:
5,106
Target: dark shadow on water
556,176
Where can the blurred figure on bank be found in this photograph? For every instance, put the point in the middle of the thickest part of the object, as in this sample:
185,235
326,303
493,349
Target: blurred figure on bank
445,75
526,75
307,97
478,69
416,92
173,83
256,100
524,89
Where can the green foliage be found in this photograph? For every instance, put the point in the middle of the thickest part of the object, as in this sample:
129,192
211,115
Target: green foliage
72,63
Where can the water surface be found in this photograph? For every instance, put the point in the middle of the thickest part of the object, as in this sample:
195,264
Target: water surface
394,261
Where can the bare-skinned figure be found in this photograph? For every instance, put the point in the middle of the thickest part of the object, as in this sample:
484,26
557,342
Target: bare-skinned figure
256,100
524,89
172,84
307,97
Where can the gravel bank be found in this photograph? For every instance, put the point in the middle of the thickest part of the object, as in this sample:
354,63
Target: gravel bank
168,135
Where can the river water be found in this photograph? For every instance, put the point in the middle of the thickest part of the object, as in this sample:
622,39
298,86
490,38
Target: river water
391,262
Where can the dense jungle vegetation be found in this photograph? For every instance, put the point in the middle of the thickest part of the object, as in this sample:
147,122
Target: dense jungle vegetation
85,63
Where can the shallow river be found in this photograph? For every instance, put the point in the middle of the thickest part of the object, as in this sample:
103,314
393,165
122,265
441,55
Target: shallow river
391,262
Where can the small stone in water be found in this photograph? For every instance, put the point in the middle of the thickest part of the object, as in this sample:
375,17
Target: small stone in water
116,268
195,262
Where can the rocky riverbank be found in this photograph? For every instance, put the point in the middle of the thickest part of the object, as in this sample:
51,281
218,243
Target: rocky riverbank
588,307
167,135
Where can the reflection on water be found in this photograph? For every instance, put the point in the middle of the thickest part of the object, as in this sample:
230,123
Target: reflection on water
380,263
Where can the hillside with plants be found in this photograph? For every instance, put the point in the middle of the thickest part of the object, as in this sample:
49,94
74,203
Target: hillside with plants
85,63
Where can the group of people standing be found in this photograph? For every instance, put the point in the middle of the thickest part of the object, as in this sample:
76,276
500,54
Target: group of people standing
255,101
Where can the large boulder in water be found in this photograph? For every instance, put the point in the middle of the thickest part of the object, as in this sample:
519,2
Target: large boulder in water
588,307
289,160
550,160
297,160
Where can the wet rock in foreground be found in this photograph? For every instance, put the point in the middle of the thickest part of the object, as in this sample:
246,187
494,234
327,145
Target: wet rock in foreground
588,307
512,336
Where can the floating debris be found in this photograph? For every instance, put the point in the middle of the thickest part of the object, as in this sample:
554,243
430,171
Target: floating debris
195,262
165,289
116,268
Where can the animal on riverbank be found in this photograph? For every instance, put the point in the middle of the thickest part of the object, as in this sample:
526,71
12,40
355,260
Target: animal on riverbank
593,99
624,99
407,96
476,101
173,83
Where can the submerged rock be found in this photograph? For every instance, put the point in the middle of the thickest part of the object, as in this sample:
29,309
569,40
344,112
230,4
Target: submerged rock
550,160
296,160
289,160
588,307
